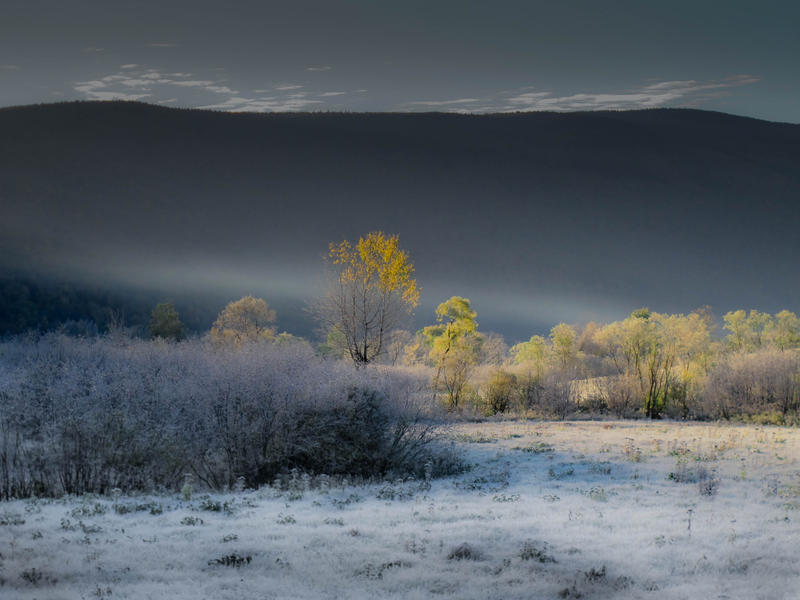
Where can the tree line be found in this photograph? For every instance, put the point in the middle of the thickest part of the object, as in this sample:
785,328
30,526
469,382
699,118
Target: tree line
86,412
649,364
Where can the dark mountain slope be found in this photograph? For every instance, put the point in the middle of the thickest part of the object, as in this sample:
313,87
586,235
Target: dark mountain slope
537,216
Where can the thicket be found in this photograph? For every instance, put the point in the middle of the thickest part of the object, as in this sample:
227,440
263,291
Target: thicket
94,413
648,365
90,415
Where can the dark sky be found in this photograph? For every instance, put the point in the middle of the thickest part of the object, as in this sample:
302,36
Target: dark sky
465,55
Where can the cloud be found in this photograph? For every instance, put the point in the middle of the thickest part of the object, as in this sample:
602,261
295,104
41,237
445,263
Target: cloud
133,82
444,102
322,68
654,95
162,45
327,94
9,68
271,104
94,49
98,90
120,85
658,94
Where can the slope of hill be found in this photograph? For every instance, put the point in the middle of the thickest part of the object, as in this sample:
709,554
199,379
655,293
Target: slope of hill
537,217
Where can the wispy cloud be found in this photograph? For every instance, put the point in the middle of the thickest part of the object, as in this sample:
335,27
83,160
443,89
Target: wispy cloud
132,82
444,102
688,92
321,68
654,95
100,89
328,94
162,45
268,104
9,68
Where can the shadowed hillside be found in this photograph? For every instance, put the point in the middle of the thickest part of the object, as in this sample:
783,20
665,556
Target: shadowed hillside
538,217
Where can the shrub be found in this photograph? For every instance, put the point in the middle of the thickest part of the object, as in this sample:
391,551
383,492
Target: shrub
463,552
94,415
502,392
621,394
557,398
759,383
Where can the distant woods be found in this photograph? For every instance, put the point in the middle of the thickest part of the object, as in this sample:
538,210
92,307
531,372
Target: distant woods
29,303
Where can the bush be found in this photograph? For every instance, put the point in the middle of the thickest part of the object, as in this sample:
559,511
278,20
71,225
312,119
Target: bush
91,415
556,396
622,395
760,383
502,392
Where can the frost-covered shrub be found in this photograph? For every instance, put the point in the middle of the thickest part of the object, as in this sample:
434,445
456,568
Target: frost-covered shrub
557,398
761,383
91,415
621,394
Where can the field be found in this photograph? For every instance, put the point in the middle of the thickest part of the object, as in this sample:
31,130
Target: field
621,509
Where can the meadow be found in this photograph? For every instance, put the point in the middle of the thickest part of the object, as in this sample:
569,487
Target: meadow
572,509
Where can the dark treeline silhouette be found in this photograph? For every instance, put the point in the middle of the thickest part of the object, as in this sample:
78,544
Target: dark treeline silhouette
31,303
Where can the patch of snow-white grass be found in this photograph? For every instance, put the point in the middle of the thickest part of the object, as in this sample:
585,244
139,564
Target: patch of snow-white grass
549,510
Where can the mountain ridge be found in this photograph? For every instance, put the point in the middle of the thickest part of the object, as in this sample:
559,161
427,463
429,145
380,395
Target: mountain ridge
529,213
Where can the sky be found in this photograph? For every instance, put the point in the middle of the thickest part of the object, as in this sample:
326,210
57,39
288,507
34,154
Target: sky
463,56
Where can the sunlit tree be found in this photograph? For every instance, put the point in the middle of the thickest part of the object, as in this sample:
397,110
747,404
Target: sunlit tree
534,350
372,293
783,332
658,351
454,347
746,331
565,345
246,319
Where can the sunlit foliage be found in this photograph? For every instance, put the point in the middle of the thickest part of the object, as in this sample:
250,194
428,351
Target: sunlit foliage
533,351
245,320
656,350
454,347
373,291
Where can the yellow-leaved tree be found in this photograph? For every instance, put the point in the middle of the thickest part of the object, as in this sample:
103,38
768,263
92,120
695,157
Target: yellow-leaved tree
372,292
454,347
661,354
245,320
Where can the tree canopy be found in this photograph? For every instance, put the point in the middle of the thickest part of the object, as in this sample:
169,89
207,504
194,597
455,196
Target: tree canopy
373,290
454,346
246,319
165,322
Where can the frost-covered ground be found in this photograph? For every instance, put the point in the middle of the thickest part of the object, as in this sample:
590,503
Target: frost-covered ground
550,510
